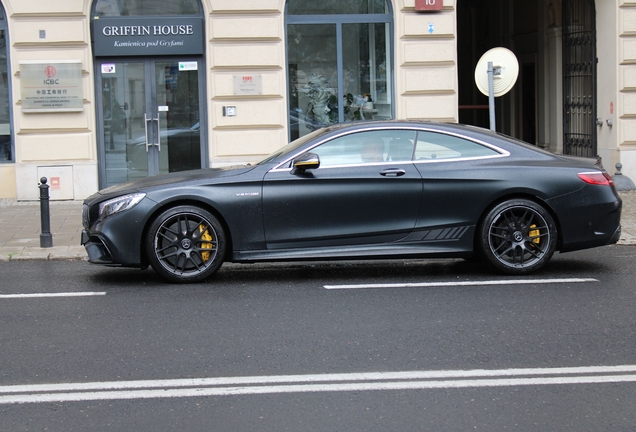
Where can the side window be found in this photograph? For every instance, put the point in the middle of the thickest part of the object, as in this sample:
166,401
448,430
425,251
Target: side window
367,148
432,145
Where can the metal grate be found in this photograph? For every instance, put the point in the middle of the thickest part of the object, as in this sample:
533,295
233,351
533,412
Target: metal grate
579,78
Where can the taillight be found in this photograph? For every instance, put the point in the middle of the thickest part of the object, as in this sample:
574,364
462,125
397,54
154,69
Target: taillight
597,178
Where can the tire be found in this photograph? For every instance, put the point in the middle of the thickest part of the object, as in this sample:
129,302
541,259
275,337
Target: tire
518,237
185,244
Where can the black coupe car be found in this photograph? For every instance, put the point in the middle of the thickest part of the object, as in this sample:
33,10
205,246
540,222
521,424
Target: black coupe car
391,189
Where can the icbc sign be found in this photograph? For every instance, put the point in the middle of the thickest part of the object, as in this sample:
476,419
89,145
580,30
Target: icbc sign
429,5
50,72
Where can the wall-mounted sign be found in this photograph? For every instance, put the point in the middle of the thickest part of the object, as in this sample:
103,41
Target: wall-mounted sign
429,5
109,68
188,66
147,36
51,86
248,84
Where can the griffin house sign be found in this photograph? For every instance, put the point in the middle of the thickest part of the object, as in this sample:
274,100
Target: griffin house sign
147,36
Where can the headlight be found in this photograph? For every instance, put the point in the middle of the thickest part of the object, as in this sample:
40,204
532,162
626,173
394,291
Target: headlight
119,204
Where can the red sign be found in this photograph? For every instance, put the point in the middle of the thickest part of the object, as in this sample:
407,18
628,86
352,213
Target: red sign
429,5
55,182
50,71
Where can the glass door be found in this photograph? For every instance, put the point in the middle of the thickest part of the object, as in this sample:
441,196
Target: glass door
150,118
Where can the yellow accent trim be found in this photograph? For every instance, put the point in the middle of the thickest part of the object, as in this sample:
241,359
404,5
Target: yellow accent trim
205,245
534,233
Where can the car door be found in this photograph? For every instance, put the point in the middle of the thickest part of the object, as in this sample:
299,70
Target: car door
365,191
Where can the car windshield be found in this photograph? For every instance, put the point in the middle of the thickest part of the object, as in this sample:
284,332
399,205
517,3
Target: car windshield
292,146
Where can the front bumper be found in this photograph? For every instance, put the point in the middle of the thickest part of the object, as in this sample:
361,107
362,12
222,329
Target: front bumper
117,239
97,250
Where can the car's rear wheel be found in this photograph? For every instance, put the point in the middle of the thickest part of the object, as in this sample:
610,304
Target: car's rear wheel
185,244
518,236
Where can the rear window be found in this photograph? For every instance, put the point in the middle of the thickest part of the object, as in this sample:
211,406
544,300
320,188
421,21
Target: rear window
440,146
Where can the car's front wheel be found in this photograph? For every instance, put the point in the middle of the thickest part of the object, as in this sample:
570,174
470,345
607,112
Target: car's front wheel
185,244
518,236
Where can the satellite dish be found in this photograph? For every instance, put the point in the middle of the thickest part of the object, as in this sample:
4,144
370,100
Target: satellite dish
506,71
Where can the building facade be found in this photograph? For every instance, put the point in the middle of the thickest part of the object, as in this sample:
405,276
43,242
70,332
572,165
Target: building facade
100,92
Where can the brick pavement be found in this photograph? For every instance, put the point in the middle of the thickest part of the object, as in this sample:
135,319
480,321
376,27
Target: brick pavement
20,229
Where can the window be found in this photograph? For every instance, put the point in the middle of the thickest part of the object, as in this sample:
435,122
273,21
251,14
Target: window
436,146
339,62
334,7
6,146
118,8
367,148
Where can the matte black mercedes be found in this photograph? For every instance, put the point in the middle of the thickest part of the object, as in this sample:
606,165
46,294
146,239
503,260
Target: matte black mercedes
391,189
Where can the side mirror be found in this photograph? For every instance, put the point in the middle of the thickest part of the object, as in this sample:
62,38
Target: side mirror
304,162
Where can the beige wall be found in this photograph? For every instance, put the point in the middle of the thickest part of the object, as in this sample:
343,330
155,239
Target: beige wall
54,142
425,63
626,106
607,85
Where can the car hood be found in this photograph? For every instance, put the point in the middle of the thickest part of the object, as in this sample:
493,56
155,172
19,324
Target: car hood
170,179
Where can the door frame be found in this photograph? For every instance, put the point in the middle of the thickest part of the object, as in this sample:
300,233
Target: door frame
149,73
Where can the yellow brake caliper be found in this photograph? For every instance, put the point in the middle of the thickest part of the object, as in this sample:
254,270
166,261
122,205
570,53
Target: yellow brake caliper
534,233
206,242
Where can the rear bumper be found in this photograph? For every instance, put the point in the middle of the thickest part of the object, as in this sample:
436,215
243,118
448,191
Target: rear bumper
616,237
599,226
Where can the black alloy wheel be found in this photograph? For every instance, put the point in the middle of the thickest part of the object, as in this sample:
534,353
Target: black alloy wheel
185,244
518,236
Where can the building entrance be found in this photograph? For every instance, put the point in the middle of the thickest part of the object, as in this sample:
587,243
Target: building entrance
150,113
150,85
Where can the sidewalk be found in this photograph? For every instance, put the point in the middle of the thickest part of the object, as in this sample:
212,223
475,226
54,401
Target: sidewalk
20,229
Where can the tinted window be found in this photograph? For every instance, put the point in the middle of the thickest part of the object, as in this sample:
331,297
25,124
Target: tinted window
330,7
338,62
432,145
367,147
146,7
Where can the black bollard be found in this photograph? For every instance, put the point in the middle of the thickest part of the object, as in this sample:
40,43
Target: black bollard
46,239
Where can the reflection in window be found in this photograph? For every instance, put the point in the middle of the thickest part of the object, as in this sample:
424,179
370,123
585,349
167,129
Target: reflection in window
338,70
367,148
146,7
6,148
332,7
431,145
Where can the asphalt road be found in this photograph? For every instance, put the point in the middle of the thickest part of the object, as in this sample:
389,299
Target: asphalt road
311,346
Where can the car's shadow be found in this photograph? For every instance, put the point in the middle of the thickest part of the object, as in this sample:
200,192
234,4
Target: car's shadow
343,272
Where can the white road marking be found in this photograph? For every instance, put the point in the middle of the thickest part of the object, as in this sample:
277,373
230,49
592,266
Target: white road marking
414,380
464,283
39,295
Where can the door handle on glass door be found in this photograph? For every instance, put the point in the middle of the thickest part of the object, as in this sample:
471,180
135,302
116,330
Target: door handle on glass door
149,119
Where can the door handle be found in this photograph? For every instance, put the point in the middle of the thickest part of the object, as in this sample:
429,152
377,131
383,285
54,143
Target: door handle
149,119
392,172
158,133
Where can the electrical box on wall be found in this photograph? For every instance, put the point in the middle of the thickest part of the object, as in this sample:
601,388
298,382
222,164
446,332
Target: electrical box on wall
229,111
60,181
